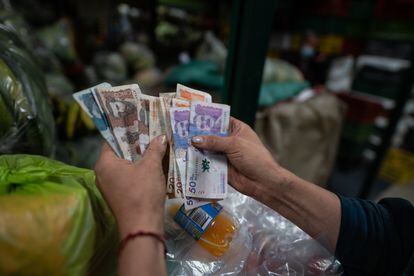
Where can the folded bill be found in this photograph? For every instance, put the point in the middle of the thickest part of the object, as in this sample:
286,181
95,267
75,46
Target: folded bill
120,106
165,104
170,176
156,122
191,202
87,101
143,108
207,171
190,94
180,103
179,125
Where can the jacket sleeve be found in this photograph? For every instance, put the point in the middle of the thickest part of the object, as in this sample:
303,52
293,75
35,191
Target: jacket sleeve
375,238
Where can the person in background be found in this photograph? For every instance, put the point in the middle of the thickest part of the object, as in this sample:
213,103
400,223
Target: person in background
368,238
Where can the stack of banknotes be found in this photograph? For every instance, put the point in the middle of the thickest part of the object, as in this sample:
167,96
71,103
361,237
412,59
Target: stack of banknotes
129,120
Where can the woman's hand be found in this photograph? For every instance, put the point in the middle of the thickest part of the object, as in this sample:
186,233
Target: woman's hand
135,192
253,171
250,164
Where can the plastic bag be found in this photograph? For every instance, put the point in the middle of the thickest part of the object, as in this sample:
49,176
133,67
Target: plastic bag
188,257
265,243
277,71
54,221
26,122
197,72
274,92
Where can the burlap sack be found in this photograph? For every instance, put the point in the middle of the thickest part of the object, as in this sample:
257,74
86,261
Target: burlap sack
303,135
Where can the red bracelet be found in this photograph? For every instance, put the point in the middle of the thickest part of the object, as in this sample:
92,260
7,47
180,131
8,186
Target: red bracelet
132,236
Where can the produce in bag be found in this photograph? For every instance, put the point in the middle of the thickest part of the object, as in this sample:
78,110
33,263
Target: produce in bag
54,221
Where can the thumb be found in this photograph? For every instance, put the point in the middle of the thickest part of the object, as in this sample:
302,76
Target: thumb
156,149
214,143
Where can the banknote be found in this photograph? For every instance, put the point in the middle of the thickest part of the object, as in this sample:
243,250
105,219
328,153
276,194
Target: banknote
134,87
178,183
156,120
165,103
168,94
120,106
143,112
180,103
87,101
170,175
190,94
179,117
207,171
191,202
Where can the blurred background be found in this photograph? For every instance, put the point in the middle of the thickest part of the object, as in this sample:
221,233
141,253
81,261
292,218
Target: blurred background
327,84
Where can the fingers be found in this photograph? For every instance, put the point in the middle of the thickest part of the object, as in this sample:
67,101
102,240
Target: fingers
156,149
214,143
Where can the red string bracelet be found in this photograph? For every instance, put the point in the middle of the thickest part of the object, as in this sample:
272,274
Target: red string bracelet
131,236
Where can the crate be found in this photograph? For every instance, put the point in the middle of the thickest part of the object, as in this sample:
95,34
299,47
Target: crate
356,132
397,167
379,82
362,109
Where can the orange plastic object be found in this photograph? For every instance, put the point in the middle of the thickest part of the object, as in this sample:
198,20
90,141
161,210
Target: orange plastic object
218,236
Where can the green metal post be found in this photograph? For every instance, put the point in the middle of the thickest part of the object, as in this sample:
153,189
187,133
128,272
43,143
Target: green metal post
250,31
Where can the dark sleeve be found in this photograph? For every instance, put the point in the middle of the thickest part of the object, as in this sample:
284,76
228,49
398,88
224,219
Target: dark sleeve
375,238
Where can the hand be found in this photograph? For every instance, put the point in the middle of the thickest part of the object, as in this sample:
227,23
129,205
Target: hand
254,172
135,192
250,164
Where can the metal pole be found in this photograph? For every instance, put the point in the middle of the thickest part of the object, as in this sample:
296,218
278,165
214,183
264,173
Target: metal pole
250,31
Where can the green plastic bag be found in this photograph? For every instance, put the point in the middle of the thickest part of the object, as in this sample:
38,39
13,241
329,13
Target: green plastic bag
197,72
53,220
273,92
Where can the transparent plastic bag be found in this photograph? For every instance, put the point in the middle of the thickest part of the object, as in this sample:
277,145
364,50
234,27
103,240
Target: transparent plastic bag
26,121
187,256
264,243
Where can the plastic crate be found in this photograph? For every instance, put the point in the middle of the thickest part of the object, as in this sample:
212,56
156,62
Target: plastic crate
356,132
378,82
361,109
398,167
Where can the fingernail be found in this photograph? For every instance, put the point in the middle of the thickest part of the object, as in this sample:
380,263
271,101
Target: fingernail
197,139
162,139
